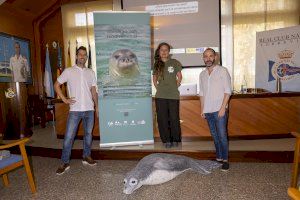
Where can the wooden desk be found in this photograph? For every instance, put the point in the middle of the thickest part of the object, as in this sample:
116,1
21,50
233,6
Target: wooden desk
262,114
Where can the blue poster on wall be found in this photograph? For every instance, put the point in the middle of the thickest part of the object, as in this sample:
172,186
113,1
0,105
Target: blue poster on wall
123,59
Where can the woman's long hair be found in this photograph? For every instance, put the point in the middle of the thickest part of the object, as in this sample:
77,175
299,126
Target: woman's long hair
159,65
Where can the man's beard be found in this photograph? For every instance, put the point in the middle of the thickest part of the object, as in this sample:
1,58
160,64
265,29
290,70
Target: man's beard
209,63
81,62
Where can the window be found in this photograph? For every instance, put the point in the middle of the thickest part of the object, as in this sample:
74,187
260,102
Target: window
78,26
253,16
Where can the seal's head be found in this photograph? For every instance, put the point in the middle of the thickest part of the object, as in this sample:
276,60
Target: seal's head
123,63
131,183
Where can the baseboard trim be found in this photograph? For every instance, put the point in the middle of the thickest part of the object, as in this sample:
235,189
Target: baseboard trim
234,156
209,138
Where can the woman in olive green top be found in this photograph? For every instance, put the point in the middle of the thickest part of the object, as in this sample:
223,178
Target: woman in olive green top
167,78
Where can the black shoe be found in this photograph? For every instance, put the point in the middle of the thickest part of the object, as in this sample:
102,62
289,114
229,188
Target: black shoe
219,160
175,144
168,145
225,166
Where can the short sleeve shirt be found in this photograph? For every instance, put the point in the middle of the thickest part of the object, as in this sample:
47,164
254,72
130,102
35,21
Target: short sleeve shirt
79,83
167,85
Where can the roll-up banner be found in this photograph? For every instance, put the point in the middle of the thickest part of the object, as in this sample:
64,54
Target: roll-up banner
122,41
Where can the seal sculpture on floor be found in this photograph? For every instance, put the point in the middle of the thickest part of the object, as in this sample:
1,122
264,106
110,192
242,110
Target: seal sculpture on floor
123,63
159,168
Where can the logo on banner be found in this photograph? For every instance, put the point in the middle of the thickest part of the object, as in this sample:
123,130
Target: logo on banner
284,68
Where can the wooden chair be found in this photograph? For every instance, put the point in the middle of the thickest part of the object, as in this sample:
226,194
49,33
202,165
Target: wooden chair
15,161
36,110
293,191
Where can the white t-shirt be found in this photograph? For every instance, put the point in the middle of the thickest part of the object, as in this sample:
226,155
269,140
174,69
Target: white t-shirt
79,83
20,68
213,87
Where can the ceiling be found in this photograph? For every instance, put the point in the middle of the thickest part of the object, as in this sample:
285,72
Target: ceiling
33,8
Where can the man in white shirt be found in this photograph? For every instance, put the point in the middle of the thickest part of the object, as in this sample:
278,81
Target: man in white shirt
81,84
19,65
215,90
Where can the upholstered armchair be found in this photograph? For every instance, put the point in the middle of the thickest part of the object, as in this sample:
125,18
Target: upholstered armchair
15,161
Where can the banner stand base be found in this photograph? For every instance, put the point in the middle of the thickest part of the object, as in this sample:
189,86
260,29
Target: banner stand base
119,144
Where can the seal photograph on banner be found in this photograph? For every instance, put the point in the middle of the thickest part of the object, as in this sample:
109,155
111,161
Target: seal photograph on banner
123,60
123,64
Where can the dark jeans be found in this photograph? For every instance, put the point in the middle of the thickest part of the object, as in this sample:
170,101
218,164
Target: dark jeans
168,119
74,118
218,130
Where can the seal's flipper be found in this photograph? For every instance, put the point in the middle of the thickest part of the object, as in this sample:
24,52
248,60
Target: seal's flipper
204,166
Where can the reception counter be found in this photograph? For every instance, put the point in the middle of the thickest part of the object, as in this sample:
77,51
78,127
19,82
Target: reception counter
250,115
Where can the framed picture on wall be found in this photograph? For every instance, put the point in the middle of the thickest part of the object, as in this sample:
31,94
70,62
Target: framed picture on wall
15,65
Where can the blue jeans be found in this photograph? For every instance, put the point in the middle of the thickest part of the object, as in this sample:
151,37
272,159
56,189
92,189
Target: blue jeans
218,130
71,130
